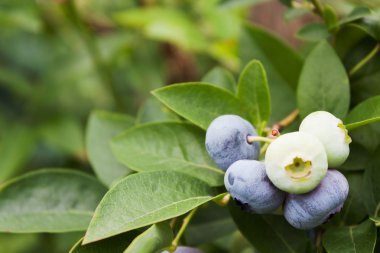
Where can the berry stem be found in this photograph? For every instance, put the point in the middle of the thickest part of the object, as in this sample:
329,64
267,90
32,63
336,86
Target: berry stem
287,120
252,139
264,149
185,223
223,199
318,7
365,60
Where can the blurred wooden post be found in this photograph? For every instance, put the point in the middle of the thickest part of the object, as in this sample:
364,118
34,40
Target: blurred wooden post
271,16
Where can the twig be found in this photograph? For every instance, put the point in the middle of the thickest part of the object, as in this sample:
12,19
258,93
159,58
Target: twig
318,7
185,223
286,121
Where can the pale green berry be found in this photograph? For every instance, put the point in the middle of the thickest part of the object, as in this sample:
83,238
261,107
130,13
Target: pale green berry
331,132
296,162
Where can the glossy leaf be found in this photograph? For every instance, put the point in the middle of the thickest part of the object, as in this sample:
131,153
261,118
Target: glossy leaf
64,134
313,32
254,92
199,102
282,65
346,38
323,83
269,233
167,146
102,126
16,243
371,186
221,78
355,239
164,24
154,239
115,244
16,145
353,210
330,16
364,113
154,111
51,200
355,14
208,224
376,221
357,159
365,82
146,198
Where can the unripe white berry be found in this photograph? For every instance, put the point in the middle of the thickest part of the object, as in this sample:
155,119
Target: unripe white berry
331,132
296,162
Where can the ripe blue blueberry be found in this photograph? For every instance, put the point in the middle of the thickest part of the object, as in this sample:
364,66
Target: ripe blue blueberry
184,249
306,211
248,184
226,140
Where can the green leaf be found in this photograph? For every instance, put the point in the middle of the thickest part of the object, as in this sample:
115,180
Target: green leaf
115,244
323,83
269,233
364,113
164,24
209,223
64,134
17,243
16,145
371,186
357,159
355,239
355,14
102,126
364,82
167,146
282,65
376,221
254,92
154,239
347,37
145,198
330,16
313,32
153,111
50,200
200,103
353,210
221,78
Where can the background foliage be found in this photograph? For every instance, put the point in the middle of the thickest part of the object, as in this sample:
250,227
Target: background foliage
80,128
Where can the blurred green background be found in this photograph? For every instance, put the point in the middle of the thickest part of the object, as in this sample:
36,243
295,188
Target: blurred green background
59,60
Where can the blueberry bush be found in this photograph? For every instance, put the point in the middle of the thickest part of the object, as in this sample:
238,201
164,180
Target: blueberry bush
180,126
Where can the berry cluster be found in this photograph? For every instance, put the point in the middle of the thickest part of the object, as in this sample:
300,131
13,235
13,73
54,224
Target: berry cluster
296,172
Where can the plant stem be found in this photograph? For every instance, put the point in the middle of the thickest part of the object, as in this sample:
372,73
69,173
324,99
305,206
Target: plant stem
287,120
365,60
251,139
264,149
224,200
90,42
185,223
318,7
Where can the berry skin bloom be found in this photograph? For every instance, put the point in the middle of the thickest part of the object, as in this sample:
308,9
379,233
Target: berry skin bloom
226,140
250,187
306,211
